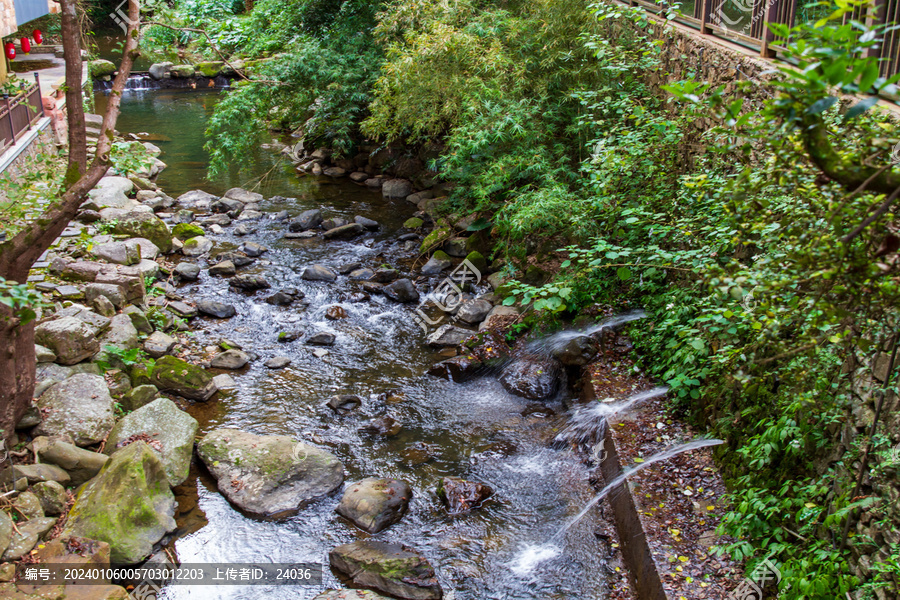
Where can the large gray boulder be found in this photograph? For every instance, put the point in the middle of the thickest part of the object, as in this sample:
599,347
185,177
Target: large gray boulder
532,377
172,433
161,71
577,351
394,569
128,505
447,335
474,311
375,504
269,475
112,192
80,406
69,338
122,333
145,225
396,188
242,195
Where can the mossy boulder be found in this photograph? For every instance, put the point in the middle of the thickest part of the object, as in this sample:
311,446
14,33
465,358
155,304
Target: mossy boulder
478,261
413,223
128,505
396,570
210,69
269,475
185,231
101,68
145,225
434,239
174,375
171,430
182,70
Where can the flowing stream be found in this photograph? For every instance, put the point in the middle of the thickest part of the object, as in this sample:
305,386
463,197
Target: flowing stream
473,430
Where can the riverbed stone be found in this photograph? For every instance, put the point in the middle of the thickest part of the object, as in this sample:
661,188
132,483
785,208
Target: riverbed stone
396,188
334,223
196,199
43,354
402,290
112,192
269,475
114,293
216,309
6,531
456,246
166,428
52,496
187,271
81,465
532,377
474,311
121,334
40,472
128,505
162,71
182,309
318,273
392,568
174,375
458,368
344,231
69,338
186,230
80,406
577,351
28,505
159,344
196,246
145,225
242,195
230,359
278,362
375,504
498,317
253,249
436,264
225,268
309,219
182,71
369,224
249,282
116,252
460,496
322,338
344,403
447,335
280,298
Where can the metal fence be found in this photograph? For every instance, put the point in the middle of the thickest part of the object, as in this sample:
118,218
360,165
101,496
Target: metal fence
19,113
745,22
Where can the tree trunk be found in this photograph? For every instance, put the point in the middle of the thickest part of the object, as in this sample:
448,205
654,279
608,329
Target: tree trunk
18,254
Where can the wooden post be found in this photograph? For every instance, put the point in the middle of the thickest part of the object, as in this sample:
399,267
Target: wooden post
771,16
705,14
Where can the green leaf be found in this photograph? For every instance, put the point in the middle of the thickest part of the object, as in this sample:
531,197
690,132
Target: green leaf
509,301
623,273
869,76
820,106
860,107
479,224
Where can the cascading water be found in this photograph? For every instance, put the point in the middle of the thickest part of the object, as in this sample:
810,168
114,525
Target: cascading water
533,555
558,340
588,425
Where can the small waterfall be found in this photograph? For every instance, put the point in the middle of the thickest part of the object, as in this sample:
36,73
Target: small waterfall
560,339
588,425
530,556
142,81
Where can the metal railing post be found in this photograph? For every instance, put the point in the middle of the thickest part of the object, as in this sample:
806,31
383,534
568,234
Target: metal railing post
37,82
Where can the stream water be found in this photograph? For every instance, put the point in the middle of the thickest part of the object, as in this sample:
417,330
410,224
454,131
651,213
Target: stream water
473,430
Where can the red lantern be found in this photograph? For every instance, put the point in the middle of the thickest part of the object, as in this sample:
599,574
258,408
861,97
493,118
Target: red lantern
26,45
38,37
10,50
